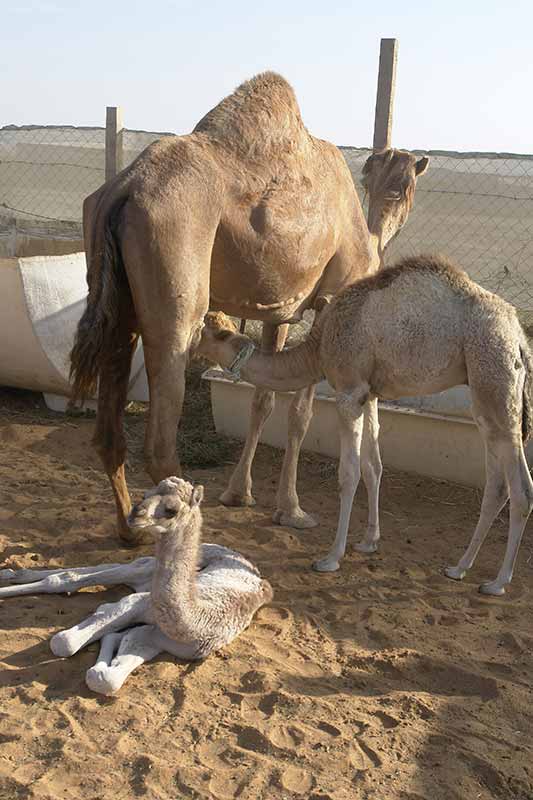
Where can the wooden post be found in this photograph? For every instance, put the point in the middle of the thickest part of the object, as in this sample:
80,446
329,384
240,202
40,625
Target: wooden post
113,141
388,55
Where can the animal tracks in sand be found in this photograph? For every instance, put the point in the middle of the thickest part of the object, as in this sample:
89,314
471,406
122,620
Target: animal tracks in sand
421,672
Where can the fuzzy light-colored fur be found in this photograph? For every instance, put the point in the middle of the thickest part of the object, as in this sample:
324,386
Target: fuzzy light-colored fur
417,328
249,214
190,600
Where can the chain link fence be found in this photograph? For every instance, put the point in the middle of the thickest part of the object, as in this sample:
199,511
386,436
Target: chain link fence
45,174
475,208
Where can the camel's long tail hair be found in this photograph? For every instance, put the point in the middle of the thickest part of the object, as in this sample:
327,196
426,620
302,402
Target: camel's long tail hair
106,277
527,393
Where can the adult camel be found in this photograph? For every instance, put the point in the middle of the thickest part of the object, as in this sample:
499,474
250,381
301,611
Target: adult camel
248,214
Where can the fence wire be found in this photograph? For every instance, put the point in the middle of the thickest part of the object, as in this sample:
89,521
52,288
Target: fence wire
475,208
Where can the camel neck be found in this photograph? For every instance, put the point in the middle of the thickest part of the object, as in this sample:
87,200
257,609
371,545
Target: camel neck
290,370
376,251
173,595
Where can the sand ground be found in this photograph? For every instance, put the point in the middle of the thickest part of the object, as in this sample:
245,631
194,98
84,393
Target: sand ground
383,681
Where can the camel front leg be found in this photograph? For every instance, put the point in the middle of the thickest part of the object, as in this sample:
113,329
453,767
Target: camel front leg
372,470
239,491
119,655
351,432
108,618
288,511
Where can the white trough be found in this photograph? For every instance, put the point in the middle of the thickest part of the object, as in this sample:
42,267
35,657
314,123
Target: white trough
41,300
433,435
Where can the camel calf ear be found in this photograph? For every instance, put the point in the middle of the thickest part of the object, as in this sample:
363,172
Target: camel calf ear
322,301
197,496
421,166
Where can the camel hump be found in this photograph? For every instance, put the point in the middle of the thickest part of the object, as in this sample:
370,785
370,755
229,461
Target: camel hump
263,108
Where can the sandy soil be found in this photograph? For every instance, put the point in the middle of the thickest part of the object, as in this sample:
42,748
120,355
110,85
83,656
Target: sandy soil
384,681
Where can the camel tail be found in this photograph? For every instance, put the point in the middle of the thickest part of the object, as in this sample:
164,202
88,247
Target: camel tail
527,393
106,277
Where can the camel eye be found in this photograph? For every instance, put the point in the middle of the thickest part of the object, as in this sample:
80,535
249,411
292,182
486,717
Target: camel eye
170,512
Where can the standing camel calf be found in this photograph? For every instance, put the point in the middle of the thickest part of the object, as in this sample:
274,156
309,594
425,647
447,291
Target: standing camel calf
419,327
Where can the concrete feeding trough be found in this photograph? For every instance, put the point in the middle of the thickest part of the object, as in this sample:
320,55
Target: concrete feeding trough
41,301
434,435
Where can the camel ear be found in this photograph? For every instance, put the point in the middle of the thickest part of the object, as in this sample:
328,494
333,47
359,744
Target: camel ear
322,301
197,496
367,166
377,160
421,166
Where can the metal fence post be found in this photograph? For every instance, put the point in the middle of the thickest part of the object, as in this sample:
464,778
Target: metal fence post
113,141
388,55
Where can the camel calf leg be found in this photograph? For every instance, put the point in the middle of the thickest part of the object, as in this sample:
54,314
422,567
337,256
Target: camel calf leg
119,655
372,471
495,496
350,414
521,505
108,618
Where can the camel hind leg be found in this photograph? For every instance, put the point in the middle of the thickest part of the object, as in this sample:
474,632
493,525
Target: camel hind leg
120,654
168,264
521,505
496,398
495,496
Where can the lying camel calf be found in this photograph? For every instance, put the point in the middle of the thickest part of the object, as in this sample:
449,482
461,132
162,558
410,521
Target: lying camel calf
419,327
190,600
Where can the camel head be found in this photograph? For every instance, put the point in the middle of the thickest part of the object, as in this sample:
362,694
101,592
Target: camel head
173,502
389,179
221,342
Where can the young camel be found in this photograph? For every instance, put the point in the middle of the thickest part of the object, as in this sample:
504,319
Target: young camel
190,600
416,328
249,214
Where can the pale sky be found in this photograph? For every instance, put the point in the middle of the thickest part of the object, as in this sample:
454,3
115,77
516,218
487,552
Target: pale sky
464,81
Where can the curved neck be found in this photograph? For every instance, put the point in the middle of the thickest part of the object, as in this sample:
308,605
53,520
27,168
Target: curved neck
376,251
288,370
173,597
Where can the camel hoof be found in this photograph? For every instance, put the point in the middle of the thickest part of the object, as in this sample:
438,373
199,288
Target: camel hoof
455,573
230,498
492,588
294,519
326,565
7,575
366,547
61,646
99,680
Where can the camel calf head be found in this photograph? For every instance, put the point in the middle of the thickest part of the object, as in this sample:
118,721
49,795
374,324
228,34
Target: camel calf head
170,503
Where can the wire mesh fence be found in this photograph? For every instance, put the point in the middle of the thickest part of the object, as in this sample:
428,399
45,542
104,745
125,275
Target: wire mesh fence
476,208
45,174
